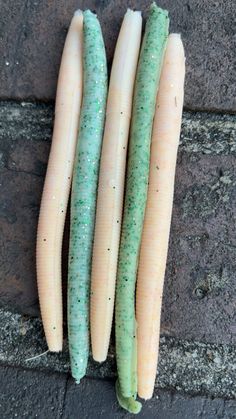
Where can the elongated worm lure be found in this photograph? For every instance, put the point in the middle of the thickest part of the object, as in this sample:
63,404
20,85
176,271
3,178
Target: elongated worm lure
111,183
57,185
84,191
156,229
146,86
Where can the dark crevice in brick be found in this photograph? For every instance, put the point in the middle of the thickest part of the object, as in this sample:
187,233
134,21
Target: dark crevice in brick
24,171
211,110
64,397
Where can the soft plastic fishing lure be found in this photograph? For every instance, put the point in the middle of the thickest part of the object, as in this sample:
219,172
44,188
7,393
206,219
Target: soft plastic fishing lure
57,184
156,228
146,86
111,183
84,192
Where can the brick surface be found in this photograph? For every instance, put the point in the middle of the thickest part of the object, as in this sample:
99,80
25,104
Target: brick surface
33,32
189,366
96,398
200,288
30,394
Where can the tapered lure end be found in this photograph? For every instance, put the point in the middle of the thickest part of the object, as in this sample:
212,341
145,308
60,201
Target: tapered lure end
128,403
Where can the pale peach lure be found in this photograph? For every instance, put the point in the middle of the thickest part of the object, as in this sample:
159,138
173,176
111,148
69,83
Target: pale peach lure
57,185
155,237
111,183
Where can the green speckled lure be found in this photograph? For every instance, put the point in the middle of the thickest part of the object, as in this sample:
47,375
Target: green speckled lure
84,191
146,86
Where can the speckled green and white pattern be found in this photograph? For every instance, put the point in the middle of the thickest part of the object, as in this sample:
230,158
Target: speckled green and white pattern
84,191
146,85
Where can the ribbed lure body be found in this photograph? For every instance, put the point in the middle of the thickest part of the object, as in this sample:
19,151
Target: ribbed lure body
146,87
84,190
57,184
111,182
156,229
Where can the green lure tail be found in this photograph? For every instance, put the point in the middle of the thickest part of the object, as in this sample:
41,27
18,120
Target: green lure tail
128,403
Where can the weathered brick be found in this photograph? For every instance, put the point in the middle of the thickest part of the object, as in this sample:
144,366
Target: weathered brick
97,399
33,32
31,394
188,366
200,288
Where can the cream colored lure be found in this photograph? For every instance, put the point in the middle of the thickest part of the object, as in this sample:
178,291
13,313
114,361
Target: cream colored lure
155,237
57,185
111,183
